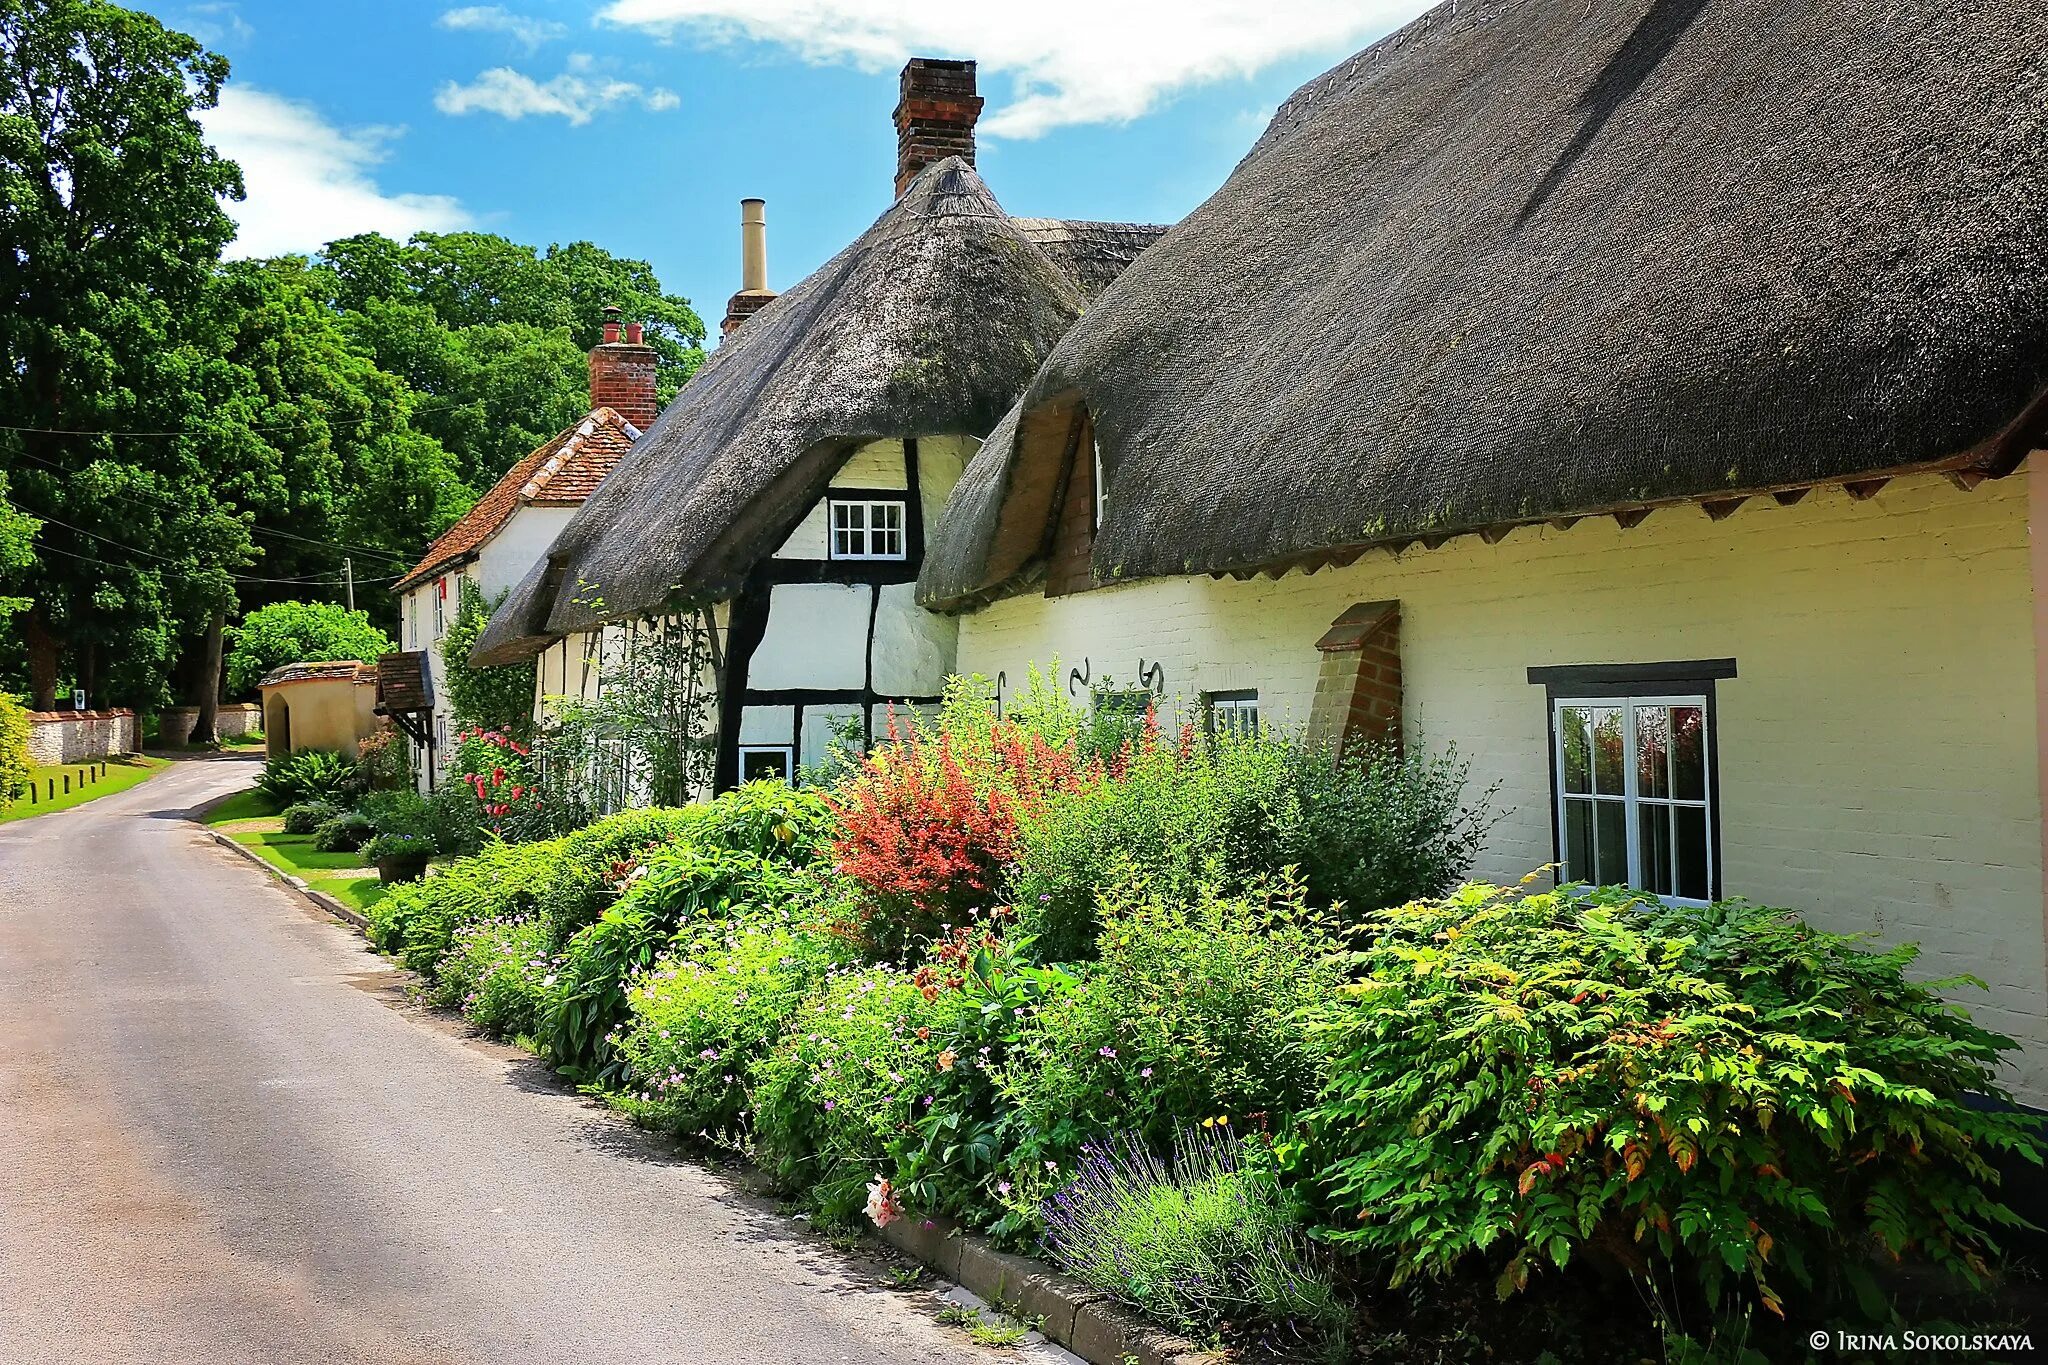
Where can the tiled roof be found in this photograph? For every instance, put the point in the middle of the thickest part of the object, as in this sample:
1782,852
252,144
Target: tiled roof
306,672
561,473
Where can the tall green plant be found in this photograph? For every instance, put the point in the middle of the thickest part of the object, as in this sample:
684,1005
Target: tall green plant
649,736
1538,1078
484,697
14,757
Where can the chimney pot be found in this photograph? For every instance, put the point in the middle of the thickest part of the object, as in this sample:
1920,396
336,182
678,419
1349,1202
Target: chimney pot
636,334
754,292
612,313
935,116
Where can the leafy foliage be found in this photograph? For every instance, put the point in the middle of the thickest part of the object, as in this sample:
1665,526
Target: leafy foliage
310,775
295,632
1537,1077
14,756
650,732
497,972
344,833
1204,1241
304,817
502,881
496,698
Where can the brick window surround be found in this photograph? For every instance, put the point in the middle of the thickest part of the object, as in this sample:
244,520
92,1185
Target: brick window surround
1358,686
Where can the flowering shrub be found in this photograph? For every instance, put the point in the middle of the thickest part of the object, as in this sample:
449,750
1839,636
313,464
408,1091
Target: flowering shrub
930,819
699,1023
497,772
497,972
1531,1078
419,921
856,1070
1202,1241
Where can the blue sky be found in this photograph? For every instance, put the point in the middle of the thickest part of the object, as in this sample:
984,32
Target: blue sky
639,124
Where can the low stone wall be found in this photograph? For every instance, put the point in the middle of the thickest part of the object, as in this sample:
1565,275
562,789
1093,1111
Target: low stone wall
174,725
80,736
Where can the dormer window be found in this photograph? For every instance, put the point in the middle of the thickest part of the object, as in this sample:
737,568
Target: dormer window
868,528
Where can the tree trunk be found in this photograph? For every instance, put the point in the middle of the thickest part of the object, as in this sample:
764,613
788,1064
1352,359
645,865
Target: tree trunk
42,659
207,686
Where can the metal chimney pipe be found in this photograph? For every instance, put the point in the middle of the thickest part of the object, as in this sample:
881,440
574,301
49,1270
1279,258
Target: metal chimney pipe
753,246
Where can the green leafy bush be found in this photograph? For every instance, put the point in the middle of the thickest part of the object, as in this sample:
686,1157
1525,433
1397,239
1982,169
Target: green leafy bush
310,775
598,860
502,882
851,1076
1203,1242
298,632
683,887
700,1023
1189,1014
401,811
498,973
14,759
1366,831
308,816
345,833
1532,1078
488,698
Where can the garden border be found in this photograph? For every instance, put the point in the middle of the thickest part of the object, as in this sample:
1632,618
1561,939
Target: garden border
320,899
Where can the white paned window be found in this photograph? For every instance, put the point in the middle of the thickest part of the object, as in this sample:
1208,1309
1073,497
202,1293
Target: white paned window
1235,714
1635,798
868,529
764,762
440,608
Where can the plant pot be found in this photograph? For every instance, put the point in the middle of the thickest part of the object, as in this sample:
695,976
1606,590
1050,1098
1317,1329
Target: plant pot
409,868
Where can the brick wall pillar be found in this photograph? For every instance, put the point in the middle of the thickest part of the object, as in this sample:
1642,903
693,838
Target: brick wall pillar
1358,686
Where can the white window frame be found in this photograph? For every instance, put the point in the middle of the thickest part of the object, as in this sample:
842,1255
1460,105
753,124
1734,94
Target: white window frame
788,752
1234,713
867,530
440,608
1630,798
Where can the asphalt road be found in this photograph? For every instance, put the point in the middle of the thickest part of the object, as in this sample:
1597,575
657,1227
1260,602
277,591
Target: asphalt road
226,1137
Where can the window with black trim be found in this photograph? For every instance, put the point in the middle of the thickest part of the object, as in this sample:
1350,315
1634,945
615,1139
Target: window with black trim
1634,775
868,528
1232,714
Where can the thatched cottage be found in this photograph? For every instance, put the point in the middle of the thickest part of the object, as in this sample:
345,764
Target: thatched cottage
493,545
1647,398
783,498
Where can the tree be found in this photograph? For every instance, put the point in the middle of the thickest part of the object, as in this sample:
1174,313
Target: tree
298,632
110,204
492,334
17,548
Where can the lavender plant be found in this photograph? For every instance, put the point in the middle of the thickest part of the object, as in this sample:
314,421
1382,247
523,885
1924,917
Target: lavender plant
1202,1240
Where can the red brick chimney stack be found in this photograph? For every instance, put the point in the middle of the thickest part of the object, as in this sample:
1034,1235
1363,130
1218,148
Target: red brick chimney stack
622,372
935,116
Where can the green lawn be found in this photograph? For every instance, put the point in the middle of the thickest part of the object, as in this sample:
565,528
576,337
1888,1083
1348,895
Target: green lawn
251,820
121,774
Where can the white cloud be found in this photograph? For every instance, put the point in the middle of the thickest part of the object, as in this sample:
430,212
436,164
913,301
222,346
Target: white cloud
577,94
216,24
310,182
1073,61
529,31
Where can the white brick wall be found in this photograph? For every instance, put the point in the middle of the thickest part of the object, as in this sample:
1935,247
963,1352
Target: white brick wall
1878,749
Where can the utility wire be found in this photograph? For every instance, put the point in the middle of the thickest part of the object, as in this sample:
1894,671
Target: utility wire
328,579
162,501
333,582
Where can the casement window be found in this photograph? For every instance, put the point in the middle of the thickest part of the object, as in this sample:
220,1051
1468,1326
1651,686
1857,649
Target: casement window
762,762
1231,714
440,608
1634,776
868,528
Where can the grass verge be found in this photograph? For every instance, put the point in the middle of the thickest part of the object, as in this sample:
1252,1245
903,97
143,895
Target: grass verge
121,774
251,820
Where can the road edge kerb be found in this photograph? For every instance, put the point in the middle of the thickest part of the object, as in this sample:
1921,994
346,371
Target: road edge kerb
1085,1321
320,899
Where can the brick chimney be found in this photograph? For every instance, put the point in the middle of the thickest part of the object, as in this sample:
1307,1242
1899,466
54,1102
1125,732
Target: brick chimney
622,372
754,292
935,116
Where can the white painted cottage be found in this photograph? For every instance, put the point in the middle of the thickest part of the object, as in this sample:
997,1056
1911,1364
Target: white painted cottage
501,538
1650,400
781,502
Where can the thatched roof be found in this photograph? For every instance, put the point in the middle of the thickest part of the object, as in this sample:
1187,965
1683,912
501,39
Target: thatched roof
1523,260
326,670
931,322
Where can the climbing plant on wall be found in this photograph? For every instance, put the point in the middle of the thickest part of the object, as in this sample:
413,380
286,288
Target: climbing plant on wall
498,697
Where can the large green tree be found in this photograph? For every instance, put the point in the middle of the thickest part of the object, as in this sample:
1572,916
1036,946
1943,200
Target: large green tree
110,205
493,334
